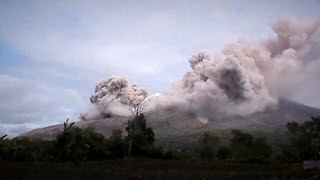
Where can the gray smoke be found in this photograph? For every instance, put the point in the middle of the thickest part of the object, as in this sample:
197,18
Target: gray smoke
231,82
114,96
248,76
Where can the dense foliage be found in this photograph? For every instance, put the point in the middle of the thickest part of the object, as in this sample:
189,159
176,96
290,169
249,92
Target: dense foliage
304,140
140,138
246,147
75,145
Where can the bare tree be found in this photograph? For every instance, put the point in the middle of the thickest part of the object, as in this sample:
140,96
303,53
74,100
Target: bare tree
136,100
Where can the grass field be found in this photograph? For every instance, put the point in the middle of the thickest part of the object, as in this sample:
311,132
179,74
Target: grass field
149,169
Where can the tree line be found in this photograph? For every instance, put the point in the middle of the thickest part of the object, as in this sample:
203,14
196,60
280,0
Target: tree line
76,145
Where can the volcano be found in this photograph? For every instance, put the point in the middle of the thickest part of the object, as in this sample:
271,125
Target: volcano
172,123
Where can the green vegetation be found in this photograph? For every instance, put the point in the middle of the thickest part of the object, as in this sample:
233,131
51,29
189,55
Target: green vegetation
247,148
140,139
76,145
304,141
301,142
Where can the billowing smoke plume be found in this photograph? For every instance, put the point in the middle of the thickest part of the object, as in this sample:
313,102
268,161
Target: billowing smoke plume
115,96
246,77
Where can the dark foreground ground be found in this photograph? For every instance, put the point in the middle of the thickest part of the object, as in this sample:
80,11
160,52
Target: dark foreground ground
150,169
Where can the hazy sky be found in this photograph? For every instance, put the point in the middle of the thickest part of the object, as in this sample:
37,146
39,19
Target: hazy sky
52,53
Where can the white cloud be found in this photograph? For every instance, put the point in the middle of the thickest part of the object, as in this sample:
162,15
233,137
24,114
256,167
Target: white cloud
26,103
142,40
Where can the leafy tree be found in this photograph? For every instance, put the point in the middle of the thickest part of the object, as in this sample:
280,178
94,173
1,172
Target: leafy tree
136,125
246,147
241,143
304,140
139,137
76,144
208,145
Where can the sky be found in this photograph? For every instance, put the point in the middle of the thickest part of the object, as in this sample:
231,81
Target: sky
52,53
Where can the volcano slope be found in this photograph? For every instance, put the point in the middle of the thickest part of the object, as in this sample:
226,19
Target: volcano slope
173,123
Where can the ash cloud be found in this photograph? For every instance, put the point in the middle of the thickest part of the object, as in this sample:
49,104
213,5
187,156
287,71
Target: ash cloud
248,76
114,96
231,82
